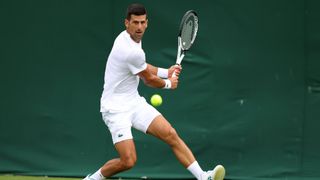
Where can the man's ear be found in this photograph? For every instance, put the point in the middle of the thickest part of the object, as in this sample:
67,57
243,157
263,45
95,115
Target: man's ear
126,23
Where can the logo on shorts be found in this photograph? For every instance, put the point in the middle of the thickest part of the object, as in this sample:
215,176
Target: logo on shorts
120,135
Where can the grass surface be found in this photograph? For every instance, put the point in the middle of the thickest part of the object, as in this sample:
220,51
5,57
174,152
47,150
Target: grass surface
11,177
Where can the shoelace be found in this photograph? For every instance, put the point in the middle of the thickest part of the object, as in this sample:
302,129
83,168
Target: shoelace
209,173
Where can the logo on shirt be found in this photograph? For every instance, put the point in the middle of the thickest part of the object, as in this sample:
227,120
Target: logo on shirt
120,135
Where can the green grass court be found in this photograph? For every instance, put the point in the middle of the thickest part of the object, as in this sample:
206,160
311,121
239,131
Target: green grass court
13,177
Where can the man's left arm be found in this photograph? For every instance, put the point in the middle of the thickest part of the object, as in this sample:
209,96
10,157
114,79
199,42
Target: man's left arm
164,73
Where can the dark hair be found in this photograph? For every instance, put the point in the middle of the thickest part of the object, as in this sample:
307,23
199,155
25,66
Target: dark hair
135,9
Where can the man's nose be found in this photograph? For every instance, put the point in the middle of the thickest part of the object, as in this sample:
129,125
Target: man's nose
139,25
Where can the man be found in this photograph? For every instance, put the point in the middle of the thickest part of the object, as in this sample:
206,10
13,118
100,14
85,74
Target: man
122,107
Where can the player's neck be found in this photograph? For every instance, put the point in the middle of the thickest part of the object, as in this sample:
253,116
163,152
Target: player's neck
134,39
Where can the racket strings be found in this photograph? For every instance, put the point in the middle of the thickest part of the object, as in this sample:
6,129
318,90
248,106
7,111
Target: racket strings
189,31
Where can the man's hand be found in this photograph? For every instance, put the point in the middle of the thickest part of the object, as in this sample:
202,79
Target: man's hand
175,68
174,82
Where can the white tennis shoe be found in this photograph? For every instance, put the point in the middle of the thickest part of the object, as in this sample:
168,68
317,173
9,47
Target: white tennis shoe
217,173
88,178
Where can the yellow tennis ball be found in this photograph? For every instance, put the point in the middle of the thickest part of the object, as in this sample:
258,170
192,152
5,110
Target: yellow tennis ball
156,100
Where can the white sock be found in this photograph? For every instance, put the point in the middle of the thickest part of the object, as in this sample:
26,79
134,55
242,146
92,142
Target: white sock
195,170
98,176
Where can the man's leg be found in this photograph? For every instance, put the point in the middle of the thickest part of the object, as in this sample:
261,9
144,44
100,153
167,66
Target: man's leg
163,130
127,159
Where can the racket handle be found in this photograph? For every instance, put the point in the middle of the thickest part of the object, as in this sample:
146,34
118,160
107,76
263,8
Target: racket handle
174,72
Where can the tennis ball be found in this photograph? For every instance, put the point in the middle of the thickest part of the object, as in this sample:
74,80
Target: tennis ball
156,100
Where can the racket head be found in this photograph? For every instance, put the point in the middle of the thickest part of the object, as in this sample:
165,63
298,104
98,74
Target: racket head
188,29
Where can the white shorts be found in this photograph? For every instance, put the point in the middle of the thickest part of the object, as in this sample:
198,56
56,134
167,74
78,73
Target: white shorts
120,123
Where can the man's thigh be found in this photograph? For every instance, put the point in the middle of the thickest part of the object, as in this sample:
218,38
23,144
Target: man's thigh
159,127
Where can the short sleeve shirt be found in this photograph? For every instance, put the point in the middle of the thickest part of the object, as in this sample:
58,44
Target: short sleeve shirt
125,61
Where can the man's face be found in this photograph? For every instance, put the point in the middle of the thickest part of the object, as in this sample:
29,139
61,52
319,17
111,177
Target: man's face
136,26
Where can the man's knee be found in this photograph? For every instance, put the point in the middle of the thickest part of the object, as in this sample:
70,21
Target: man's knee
128,162
172,137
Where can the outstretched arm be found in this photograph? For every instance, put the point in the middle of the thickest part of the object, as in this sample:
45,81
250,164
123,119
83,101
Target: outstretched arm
150,78
165,73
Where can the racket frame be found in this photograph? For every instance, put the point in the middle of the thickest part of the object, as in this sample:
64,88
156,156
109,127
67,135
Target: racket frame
181,50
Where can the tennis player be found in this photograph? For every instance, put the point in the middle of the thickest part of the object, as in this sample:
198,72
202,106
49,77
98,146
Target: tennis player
123,108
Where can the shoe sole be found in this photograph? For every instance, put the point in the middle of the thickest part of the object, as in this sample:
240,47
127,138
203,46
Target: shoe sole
219,172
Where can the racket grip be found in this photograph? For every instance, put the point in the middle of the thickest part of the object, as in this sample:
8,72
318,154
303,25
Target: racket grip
174,74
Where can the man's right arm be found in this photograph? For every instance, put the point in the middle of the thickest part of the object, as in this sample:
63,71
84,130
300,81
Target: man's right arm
150,78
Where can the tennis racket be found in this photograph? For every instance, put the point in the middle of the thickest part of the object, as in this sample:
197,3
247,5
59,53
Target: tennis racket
187,34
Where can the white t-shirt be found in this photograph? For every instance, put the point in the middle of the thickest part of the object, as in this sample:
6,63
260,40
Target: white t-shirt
125,61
